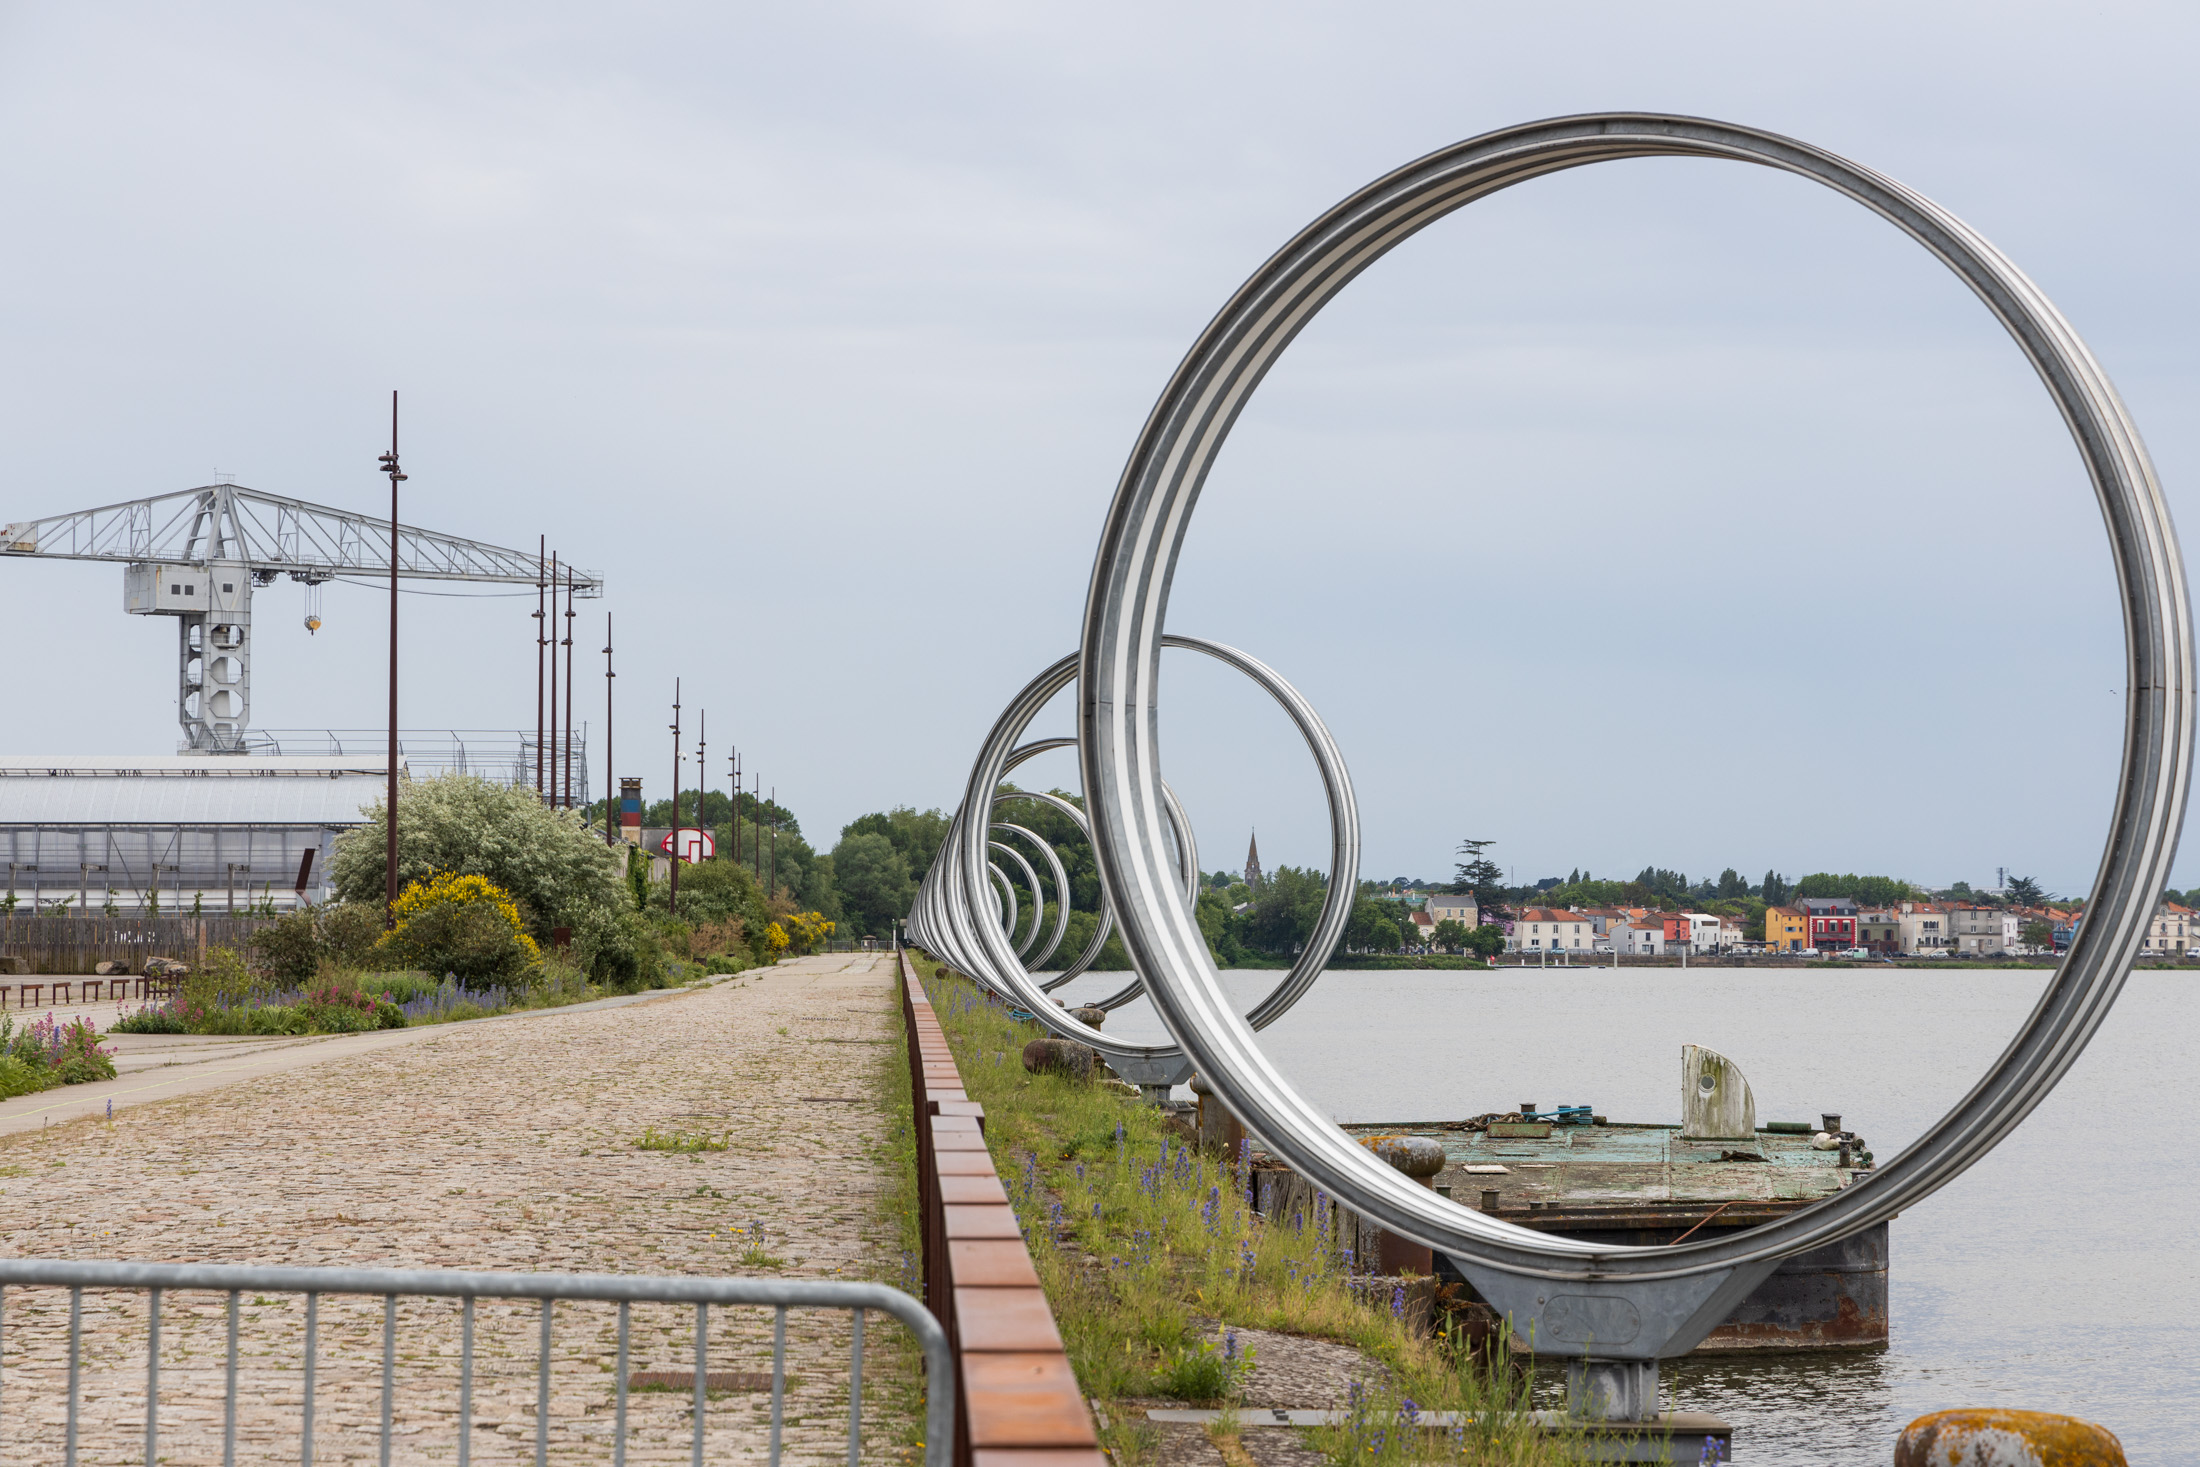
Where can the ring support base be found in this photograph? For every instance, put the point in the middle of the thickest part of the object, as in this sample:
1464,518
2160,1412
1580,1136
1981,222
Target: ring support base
1616,1329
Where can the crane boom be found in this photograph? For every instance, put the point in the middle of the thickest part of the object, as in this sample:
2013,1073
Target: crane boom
197,554
272,535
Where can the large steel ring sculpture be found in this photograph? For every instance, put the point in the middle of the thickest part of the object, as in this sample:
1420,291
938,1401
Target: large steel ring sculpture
1625,1306
956,918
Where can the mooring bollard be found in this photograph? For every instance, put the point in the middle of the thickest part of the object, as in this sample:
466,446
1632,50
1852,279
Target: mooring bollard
1218,1128
1059,1057
1421,1159
1992,1438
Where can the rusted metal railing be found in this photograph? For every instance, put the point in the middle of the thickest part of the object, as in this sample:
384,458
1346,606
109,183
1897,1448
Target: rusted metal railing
155,1280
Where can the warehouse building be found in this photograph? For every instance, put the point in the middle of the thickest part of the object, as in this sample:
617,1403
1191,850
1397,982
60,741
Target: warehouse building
217,834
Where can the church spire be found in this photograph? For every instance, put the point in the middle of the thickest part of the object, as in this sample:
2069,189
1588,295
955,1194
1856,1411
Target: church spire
1252,862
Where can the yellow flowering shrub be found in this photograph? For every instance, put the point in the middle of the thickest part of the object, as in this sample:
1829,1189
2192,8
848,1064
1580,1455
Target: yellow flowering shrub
467,925
811,931
775,939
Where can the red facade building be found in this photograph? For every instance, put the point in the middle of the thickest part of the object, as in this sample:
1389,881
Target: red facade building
1832,922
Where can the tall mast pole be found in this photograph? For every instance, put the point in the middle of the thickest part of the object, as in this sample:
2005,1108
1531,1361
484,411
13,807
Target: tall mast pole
568,687
702,770
672,901
541,636
389,800
733,820
610,788
756,821
773,889
550,788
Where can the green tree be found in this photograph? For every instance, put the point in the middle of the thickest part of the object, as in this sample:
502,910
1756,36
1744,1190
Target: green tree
875,886
1479,874
1670,887
2037,933
1219,925
1487,940
1732,884
547,859
1589,893
2025,892
1449,934
1373,927
1775,891
1283,916
915,834
1869,891
714,891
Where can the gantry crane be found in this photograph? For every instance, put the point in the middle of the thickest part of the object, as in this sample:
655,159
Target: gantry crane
197,555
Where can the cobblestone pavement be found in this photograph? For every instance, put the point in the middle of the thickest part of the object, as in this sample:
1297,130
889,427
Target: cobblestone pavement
506,1145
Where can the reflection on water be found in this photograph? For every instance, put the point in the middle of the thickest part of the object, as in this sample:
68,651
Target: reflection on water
1831,1406
2053,1275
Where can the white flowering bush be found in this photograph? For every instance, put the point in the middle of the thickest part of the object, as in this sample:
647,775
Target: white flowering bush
558,871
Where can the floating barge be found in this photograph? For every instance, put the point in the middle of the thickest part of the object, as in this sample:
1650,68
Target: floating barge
1572,1172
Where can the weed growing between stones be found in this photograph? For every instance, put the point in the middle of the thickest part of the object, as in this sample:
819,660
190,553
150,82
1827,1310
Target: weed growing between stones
1145,1243
653,1139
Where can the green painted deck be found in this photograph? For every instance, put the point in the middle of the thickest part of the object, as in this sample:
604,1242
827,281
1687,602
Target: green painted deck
1606,1172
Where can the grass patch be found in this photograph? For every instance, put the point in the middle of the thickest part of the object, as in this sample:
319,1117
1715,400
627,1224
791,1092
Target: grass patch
1145,1245
653,1139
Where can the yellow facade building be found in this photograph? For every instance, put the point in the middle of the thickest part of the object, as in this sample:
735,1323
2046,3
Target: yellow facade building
1785,930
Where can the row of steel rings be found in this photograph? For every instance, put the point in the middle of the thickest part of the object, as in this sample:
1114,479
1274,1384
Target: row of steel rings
1570,1295
967,913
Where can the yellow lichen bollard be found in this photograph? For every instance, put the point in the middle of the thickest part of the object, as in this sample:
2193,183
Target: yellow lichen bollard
2006,1439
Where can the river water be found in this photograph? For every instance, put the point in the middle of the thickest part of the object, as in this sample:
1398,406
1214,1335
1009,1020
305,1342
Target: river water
2058,1274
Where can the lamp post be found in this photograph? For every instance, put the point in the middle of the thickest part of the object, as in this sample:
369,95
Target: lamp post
610,792
569,686
389,802
550,787
542,637
672,899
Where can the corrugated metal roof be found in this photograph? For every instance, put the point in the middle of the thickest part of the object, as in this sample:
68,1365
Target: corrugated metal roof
186,791
193,766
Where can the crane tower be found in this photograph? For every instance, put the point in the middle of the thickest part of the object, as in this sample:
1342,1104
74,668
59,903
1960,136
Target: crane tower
198,554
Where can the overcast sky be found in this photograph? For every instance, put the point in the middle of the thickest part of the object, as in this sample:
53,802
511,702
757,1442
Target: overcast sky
1662,512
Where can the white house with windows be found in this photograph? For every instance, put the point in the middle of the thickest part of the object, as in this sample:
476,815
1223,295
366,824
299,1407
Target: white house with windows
1706,934
2175,929
1986,930
1644,938
1925,928
1540,929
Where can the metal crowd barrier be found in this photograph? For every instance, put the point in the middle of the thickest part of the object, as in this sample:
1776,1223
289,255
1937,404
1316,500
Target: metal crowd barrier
780,1295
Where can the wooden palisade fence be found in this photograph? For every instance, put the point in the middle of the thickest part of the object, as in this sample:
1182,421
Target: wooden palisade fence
75,944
